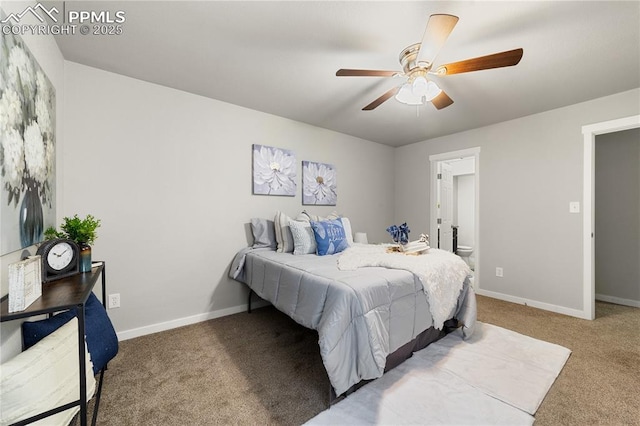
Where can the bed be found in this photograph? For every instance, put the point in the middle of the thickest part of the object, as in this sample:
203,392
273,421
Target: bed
371,309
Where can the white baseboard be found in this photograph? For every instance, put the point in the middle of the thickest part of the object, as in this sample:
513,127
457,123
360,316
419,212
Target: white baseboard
618,300
535,304
180,322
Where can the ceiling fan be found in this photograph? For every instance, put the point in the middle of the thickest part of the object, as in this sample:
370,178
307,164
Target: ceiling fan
417,63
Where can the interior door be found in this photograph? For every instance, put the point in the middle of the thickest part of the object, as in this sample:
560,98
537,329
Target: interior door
445,203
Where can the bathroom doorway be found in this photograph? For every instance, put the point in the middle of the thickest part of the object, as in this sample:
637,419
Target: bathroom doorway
589,133
454,204
617,217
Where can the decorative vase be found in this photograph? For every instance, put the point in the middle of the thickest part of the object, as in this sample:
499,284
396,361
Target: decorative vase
31,218
85,257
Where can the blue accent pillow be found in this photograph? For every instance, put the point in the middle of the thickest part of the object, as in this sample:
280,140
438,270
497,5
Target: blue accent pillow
102,341
330,236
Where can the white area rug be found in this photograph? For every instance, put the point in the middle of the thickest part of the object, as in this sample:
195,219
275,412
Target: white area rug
497,377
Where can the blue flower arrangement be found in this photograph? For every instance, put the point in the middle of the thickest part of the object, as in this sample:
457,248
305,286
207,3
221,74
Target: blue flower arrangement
399,234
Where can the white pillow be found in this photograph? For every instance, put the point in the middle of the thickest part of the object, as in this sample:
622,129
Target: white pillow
43,377
346,224
305,215
304,241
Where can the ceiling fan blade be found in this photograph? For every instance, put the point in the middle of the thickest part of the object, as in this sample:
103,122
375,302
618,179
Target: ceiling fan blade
442,100
497,60
381,99
438,29
365,73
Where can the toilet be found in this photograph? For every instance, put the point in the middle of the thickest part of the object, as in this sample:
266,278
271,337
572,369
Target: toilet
465,252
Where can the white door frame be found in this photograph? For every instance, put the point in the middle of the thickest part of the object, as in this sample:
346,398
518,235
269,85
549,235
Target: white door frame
433,215
589,133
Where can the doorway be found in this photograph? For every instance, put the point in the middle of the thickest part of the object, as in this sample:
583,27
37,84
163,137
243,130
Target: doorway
617,217
589,133
454,201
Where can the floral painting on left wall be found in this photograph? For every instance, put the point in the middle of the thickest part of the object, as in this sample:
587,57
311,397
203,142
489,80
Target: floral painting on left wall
27,149
274,171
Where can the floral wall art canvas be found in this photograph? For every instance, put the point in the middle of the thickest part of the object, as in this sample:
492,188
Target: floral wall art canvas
274,171
319,186
27,147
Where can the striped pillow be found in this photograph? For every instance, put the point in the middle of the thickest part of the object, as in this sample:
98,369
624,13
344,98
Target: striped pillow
284,238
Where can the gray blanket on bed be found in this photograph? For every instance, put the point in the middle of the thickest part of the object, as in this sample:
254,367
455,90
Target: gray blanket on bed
361,316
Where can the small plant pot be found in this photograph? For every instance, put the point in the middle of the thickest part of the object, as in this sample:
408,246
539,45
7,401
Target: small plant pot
85,257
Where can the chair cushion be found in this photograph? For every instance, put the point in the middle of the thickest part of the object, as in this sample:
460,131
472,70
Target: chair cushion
43,377
102,341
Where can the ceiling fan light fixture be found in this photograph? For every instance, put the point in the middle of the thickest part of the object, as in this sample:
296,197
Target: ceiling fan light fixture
407,96
418,92
432,91
419,86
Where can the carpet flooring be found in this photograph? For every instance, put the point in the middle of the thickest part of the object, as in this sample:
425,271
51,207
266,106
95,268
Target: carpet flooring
263,368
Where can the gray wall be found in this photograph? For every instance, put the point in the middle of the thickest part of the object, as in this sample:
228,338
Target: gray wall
169,175
617,216
530,169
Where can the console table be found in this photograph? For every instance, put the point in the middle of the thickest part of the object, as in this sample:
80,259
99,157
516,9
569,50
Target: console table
61,295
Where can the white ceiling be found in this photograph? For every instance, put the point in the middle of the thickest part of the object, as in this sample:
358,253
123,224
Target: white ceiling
281,57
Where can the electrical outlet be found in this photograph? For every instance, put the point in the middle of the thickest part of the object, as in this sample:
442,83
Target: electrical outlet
114,300
499,272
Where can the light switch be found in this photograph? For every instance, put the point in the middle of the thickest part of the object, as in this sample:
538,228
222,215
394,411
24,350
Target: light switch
574,207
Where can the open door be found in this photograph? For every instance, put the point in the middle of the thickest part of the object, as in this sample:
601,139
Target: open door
438,206
445,205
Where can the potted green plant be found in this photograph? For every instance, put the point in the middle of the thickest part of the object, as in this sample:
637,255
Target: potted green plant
82,231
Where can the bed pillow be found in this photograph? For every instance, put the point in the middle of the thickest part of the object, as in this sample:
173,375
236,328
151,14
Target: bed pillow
102,341
347,229
283,233
304,215
330,236
304,241
264,233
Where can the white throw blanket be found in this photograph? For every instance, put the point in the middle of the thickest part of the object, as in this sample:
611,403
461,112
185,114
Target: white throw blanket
442,273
